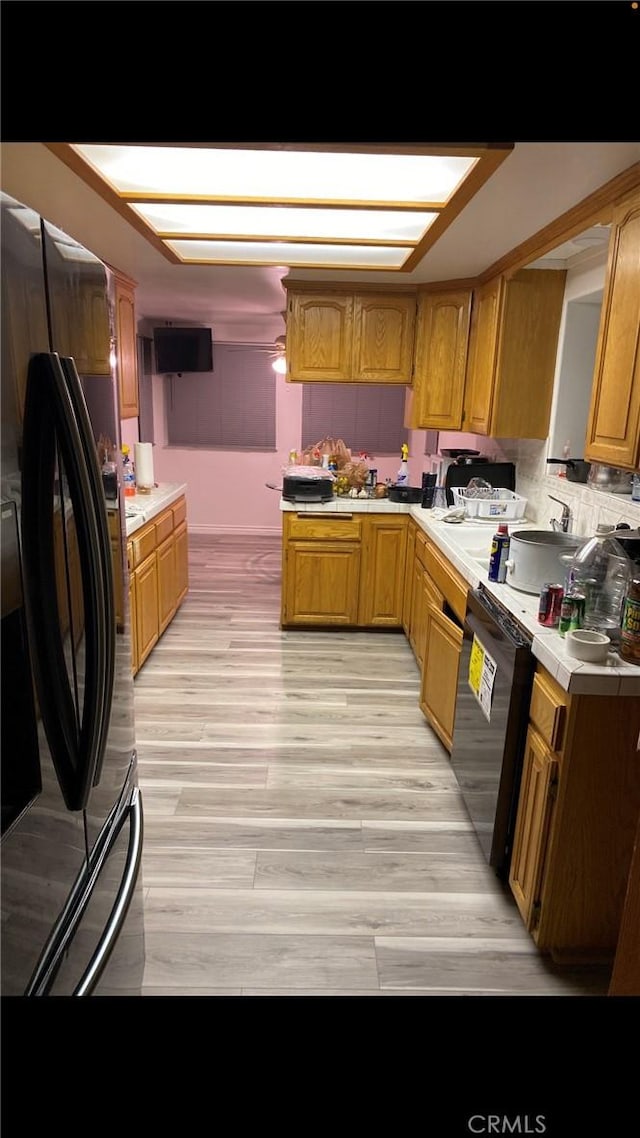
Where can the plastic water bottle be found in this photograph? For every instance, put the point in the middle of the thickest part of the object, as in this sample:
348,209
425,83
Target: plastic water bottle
602,571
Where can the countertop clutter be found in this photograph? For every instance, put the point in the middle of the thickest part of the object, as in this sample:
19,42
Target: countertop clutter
615,677
141,508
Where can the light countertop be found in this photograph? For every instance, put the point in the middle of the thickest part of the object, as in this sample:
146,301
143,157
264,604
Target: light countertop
613,678
141,508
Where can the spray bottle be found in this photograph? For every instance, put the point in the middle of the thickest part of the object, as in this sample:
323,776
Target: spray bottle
402,478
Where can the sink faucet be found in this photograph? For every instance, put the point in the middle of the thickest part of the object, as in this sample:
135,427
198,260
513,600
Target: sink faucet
562,524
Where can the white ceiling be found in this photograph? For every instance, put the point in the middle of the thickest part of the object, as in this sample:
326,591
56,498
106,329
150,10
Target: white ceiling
536,183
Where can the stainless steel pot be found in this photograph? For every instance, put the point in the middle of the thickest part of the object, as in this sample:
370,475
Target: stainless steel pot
534,558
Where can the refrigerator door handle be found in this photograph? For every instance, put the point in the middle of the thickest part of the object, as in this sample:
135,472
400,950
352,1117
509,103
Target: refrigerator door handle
48,966
103,550
121,904
76,739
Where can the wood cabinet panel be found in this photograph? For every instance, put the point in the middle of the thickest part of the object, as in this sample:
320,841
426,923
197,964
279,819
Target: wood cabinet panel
548,710
442,647
448,580
576,820
322,583
613,431
126,348
147,624
181,540
164,526
407,592
440,360
535,809
165,558
483,345
383,338
382,572
319,337
304,527
159,579
341,335
513,345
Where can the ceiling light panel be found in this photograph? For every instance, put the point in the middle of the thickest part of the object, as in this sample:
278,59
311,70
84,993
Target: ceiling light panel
284,253
281,221
282,174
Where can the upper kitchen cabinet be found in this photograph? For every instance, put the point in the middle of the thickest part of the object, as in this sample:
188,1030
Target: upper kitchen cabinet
79,305
126,346
342,336
513,343
613,430
440,360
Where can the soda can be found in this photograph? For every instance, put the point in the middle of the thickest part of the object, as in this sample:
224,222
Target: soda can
578,609
550,603
566,612
544,604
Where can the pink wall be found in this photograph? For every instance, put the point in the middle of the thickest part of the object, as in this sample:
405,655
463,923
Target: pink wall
227,492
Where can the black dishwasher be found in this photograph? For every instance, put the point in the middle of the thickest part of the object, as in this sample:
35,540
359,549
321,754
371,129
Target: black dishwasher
492,704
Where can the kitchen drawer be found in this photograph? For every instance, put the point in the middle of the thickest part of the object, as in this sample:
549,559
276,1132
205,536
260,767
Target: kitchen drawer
143,543
164,526
421,548
448,580
548,709
344,527
179,512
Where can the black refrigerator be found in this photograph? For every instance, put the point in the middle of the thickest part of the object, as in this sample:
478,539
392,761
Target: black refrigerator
72,821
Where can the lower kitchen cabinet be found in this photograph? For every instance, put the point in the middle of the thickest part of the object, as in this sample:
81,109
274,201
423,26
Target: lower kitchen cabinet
158,564
576,820
145,583
442,646
438,603
347,570
382,578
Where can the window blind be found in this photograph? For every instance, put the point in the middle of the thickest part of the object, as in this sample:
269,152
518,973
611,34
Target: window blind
367,416
232,407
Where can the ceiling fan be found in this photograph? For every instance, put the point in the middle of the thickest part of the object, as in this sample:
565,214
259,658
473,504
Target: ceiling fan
277,354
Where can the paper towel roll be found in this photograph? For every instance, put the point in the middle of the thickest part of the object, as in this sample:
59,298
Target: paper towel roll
143,460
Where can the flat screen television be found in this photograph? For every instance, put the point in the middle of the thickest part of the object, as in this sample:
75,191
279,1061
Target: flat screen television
183,349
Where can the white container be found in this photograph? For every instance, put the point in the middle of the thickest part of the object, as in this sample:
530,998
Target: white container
505,505
584,644
534,558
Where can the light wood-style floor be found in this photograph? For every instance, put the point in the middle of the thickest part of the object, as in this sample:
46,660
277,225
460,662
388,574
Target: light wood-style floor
304,834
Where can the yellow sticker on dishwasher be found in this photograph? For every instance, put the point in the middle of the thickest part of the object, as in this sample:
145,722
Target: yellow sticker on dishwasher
482,674
476,661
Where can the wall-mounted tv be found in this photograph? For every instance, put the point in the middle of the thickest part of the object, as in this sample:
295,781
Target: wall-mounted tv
182,349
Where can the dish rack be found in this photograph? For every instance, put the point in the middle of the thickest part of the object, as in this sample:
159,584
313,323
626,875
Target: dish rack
496,503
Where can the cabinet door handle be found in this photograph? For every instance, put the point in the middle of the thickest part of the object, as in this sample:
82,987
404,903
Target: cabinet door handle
330,517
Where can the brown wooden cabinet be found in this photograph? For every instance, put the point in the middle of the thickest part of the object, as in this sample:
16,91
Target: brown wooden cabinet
384,549
613,430
407,595
157,556
126,347
576,821
79,311
145,583
436,399
434,630
442,646
513,343
343,569
321,569
338,335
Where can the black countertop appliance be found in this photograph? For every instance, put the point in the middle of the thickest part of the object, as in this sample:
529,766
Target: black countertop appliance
499,474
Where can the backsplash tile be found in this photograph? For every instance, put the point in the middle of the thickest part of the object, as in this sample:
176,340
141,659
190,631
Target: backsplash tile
589,508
